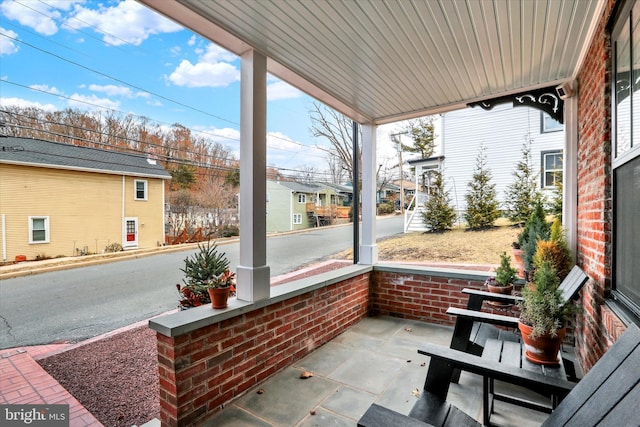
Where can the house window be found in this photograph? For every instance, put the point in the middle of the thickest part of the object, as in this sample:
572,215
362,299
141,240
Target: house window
549,124
38,229
302,198
551,168
626,157
297,218
140,189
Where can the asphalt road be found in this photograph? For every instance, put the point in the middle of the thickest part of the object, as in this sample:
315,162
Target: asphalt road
80,303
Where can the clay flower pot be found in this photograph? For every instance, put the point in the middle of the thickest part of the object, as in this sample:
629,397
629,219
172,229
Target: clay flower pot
518,257
542,350
505,290
219,297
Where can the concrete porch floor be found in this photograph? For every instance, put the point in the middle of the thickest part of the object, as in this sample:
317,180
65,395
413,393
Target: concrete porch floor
374,361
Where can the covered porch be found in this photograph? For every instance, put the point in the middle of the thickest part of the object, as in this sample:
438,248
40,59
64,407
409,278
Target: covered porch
373,361
378,63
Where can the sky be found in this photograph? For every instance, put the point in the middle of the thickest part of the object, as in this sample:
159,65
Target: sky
119,55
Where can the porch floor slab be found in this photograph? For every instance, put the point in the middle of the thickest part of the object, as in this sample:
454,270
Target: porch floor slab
374,361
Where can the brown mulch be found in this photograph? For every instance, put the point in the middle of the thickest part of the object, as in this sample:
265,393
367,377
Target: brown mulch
115,378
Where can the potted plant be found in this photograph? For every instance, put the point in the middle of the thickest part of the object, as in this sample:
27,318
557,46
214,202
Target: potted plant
206,273
536,228
555,250
542,316
504,279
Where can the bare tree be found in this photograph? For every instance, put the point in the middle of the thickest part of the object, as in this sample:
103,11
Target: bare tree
338,130
336,171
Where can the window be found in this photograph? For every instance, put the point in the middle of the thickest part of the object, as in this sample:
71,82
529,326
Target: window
551,168
297,218
302,198
549,124
140,189
38,229
626,157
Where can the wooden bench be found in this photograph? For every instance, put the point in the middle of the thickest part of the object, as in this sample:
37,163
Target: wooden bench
607,395
473,326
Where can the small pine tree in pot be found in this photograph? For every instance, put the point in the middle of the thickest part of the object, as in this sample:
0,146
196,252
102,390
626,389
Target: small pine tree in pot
204,270
504,279
543,316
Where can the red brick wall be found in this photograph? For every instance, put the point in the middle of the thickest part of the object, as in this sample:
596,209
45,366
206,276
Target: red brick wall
419,297
203,369
594,194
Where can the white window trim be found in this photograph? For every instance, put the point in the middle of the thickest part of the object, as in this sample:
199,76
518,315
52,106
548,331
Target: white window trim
302,198
544,166
46,230
135,189
299,217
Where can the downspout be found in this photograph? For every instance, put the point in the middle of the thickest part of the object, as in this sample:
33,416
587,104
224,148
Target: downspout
122,237
164,228
291,196
4,238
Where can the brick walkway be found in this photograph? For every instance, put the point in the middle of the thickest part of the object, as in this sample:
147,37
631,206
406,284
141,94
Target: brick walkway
23,381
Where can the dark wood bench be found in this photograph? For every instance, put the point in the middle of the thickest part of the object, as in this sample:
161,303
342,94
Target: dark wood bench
473,326
607,395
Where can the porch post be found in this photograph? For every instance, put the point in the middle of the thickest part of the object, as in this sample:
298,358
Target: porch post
368,247
570,173
253,280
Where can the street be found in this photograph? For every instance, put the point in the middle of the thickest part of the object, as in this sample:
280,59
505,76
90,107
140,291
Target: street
80,303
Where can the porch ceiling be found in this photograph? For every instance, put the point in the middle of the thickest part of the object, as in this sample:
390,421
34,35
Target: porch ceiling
383,61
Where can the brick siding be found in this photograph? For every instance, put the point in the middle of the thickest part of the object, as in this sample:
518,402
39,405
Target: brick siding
593,335
419,297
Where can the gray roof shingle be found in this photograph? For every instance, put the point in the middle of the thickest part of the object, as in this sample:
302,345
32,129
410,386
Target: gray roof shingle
36,152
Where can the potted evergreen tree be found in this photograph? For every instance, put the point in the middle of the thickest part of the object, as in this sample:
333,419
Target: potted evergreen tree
542,316
207,278
504,279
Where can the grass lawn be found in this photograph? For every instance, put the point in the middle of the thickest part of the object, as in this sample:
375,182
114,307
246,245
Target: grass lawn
458,246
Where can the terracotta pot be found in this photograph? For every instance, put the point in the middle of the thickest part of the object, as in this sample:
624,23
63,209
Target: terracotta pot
505,290
518,257
542,350
219,297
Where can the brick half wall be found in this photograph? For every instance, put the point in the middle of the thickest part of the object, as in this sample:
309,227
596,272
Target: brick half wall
205,368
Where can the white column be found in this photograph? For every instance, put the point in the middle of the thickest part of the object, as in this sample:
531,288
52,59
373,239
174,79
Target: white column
253,280
368,247
570,172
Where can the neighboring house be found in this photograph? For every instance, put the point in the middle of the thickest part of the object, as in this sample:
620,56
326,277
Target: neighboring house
296,206
502,131
63,200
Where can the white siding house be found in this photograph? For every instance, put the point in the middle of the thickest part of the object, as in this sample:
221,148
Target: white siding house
503,131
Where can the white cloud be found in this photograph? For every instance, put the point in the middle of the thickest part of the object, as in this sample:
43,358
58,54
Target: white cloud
281,90
8,46
92,102
192,40
204,74
37,15
46,88
127,22
214,53
112,90
23,103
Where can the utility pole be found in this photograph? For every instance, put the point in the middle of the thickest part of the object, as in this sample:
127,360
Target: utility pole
395,137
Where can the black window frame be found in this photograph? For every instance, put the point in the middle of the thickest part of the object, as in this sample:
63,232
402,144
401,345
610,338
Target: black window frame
625,158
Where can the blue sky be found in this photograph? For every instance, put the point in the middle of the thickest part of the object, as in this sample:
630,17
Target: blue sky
119,55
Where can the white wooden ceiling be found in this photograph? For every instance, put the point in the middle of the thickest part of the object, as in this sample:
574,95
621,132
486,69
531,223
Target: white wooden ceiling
383,61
